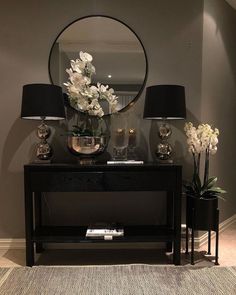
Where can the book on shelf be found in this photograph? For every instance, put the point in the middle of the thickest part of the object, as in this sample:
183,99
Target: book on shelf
106,232
128,162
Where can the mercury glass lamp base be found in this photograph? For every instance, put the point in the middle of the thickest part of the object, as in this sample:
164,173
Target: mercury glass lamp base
86,161
169,161
164,148
43,148
38,161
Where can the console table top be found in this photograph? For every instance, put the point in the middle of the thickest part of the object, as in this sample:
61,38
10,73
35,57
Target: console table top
102,166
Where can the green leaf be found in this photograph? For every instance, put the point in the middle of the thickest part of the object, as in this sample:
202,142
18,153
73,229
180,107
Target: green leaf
210,183
220,197
217,190
209,195
197,183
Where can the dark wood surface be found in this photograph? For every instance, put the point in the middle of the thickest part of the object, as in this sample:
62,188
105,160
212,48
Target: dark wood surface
94,178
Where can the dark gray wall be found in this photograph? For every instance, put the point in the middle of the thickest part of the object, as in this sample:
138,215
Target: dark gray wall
171,32
219,92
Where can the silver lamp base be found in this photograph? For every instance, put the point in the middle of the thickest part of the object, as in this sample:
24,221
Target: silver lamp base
43,149
164,148
164,153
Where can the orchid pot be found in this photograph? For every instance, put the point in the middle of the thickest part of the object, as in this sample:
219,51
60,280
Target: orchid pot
202,192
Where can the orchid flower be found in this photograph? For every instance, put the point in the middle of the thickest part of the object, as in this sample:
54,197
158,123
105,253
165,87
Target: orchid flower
84,96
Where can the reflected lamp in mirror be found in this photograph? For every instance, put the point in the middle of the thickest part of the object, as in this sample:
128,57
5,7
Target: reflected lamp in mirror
42,102
164,102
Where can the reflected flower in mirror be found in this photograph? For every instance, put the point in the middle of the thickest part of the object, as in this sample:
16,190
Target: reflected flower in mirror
82,95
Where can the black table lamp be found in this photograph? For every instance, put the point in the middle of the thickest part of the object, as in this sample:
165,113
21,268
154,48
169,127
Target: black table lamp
42,102
164,102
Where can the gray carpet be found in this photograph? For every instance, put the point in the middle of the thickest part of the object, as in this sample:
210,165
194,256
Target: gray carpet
3,270
119,279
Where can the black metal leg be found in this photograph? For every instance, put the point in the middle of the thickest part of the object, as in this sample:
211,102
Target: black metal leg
169,217
177,225
38,217
169,247
192,245
28,221
29,253
209,243
39,248
217,238
186,251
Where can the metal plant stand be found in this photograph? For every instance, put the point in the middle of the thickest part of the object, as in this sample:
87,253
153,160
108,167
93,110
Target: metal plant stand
195,222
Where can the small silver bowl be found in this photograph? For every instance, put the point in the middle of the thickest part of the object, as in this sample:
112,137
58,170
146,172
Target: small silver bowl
87,145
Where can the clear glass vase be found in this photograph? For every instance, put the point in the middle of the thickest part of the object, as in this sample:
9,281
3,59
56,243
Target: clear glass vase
119,136
87,137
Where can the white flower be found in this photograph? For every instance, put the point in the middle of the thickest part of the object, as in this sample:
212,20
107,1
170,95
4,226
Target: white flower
214,139
216,132
82,104
86,57
202,138
213,150
78,65
84,96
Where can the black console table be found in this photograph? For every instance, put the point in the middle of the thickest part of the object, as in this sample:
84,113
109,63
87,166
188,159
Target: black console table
39,178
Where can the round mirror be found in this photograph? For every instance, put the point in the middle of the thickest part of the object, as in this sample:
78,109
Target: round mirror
118,57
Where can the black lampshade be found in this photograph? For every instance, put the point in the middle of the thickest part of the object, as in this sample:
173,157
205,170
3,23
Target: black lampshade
42,101
165,101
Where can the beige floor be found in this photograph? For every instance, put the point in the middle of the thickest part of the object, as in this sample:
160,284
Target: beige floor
227,255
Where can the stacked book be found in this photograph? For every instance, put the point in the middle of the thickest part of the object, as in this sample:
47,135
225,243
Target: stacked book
125,162
106,232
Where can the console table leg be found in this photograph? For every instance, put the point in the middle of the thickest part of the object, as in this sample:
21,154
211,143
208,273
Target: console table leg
177,226
39,248
169,217
29,253
169,247
29,220
38,217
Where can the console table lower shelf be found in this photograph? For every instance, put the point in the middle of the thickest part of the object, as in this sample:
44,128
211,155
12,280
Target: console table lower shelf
39,179
76,234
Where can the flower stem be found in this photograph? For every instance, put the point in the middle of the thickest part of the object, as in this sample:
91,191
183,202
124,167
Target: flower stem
194,166
198,163
206,172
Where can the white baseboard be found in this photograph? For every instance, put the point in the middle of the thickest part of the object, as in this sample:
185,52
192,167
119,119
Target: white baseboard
202,240
7,244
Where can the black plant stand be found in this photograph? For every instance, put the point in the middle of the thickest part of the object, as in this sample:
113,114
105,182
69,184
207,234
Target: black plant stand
202,215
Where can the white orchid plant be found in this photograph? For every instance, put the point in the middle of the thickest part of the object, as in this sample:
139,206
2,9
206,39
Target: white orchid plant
82,95
85,97
202,141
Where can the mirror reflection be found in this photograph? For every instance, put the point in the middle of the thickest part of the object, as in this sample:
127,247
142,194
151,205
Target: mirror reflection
118,56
